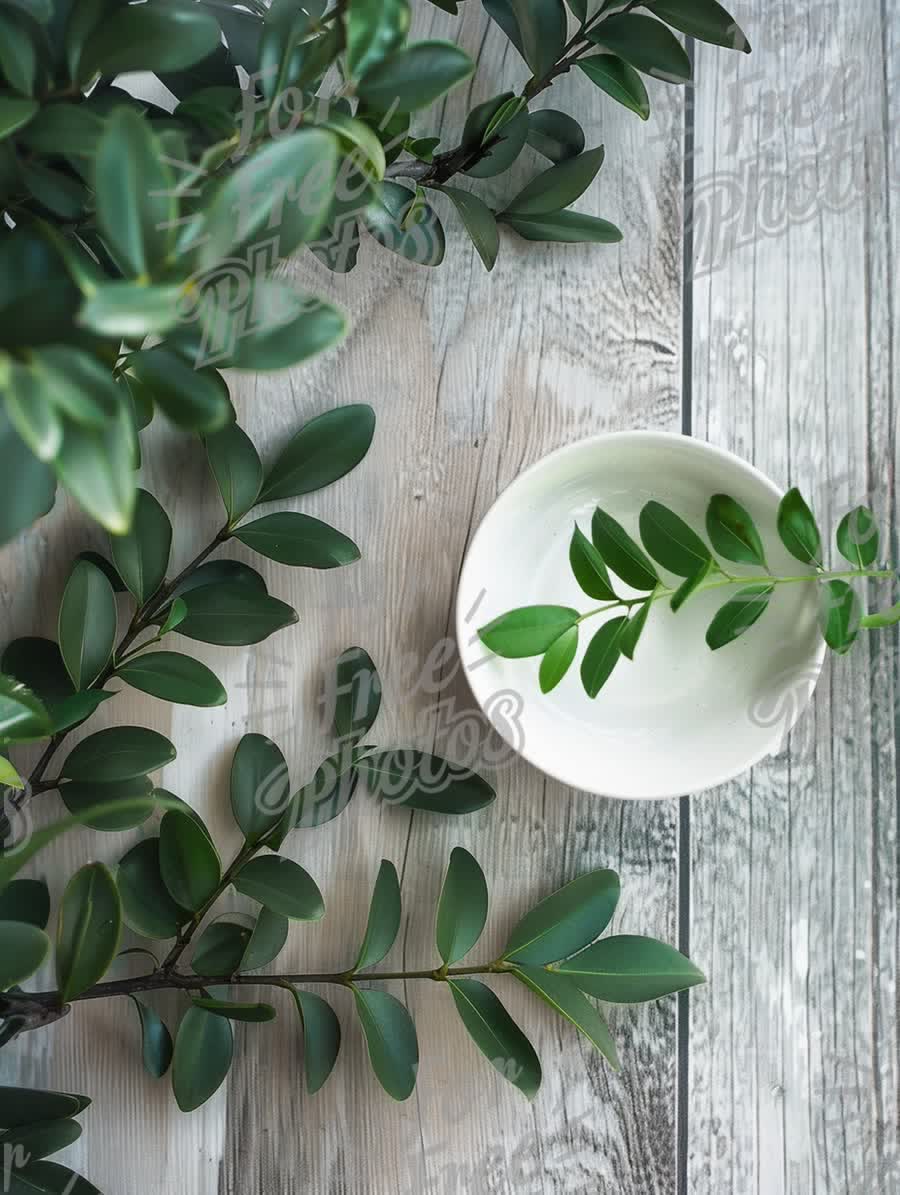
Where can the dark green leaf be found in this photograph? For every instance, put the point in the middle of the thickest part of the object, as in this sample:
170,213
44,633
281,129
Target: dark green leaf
374,29
87,624
502,12
857,539
384,918
282,886
690,584
357,694
237,469
21,1106
79,797
422,241
324,450
30,484
18,58
266,941
670,541
704,19
131,309
217,572
631,632
645,43
462,908
28,901
299,540
147,907
283,326
619,80
37,663
15,113
260,786
589,568
22,714
840,613
626,969
416,780
176,615
204,1047
161,35
142,555
797,528
543,28
479,223
321,1037
194,399
558,186
415,76
564,997
36,1141
189,862
49,1178
23,947
621,553
325,796
527,631
391,1040
60,128
221,948
118,753
557,659
555,135
566,920
496,1034
739,613
602,655
90,924
233,1011
156,1041
732,532
233,614
173,677
95,466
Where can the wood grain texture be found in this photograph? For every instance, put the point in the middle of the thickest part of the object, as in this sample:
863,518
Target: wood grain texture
473,377
793,1074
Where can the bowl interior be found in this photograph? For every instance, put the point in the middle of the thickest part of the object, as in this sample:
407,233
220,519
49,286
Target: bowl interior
679,717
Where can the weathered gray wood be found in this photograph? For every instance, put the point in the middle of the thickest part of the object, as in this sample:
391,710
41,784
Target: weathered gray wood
793,1047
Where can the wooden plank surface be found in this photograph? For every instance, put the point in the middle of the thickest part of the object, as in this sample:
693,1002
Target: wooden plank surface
793,1073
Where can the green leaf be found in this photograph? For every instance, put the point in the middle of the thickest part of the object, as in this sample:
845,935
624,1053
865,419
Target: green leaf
79,385
87,624
204,1047
176,615
619,80
23,948
690,584
840,614
37,663
506,131
173,677
558,186
589,569
18,58
15,113
384,918
324,450
130,309
195,399
32,415
797,528
391,1040
118,753
36,1141
543,28
704,19
732,532
496,1034
233,615
321,1037
156,1041
422,241
557,659
282,886
555,135
602,655
501,11
283,193
161,35
90,925
462,908
53,1179
135,194
9,777
670,541
221,948
857,537
95,466
374,29
28,901
21,1106
142,555
881,618
237,469
215,573
416,780
645,43
30,484
566,920
79,797
565,998
60,128
631,632
266,941
621,553
147,907
22,714
479,223
299,540
189,862
415,76
234,1011
357,694
361,146
626,969
528,630
283,326
325,796
260,786
739,613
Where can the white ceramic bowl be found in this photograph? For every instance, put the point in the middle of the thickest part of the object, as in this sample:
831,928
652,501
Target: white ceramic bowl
680,717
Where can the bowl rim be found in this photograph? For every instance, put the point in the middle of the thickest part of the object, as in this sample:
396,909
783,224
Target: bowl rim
647,435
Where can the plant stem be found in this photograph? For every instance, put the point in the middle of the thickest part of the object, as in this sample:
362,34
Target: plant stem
187,932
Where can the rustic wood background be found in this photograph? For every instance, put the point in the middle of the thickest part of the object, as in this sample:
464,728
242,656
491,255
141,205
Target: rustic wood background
752,303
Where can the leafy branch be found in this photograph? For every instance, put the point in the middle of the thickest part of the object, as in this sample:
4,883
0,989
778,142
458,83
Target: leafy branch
552,631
